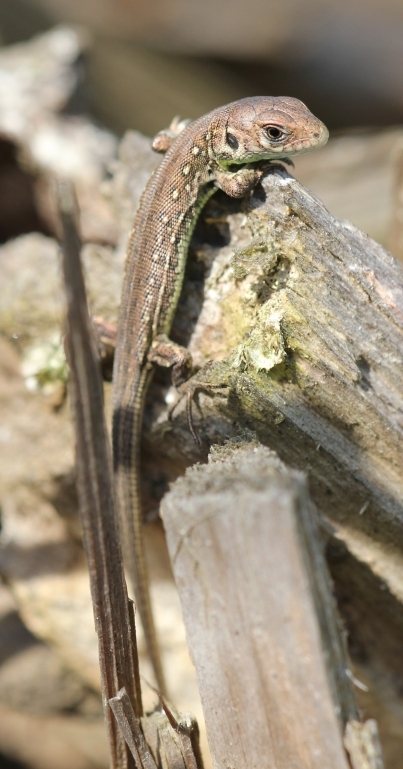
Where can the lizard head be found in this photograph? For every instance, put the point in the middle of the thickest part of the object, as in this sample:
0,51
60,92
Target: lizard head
265,128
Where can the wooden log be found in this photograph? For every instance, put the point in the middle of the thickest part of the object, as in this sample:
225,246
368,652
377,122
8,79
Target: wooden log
259,613
302,315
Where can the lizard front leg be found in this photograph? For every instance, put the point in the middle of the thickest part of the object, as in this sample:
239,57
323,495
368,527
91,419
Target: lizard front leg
237,184
168,354
163,352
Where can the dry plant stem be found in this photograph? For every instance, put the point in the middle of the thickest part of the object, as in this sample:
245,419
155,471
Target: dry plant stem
185,728
130,727
137,684
95,488
180,753
259,613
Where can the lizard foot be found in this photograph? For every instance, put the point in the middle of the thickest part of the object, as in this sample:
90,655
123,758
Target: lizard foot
164,139
189,390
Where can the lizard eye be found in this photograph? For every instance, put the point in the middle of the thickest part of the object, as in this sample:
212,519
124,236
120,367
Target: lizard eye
232,141
274,133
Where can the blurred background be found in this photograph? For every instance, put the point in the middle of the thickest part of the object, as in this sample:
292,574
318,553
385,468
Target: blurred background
75,75
150,60
140,63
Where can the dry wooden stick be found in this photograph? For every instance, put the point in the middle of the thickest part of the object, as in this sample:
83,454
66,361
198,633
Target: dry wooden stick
116,635
130,727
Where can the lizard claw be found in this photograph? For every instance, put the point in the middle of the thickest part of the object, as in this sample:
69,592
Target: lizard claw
287,161
190,389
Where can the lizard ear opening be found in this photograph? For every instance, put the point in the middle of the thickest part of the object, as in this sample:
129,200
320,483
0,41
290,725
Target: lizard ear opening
232,141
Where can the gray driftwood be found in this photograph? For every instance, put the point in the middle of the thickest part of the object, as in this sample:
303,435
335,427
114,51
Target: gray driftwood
260,616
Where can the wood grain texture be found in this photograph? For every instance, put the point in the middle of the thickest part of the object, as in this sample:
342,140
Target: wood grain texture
259,613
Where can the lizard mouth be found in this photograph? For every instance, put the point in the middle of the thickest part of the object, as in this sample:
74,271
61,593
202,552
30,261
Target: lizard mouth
234,167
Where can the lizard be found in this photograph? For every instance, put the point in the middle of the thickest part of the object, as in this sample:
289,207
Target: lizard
229,148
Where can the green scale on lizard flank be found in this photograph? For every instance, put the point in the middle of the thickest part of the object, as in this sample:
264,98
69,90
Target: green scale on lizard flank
228,149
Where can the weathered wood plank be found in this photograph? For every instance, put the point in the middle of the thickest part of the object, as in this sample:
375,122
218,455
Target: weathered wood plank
259,613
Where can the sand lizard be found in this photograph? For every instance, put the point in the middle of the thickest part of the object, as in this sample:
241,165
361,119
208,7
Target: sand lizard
227,149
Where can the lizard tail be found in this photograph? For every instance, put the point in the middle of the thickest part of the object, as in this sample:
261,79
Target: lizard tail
127,422
134,555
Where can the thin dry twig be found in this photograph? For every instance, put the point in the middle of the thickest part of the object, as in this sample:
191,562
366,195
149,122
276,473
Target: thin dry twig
113,620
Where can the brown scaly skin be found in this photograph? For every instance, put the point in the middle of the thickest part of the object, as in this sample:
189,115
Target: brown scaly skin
228,149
